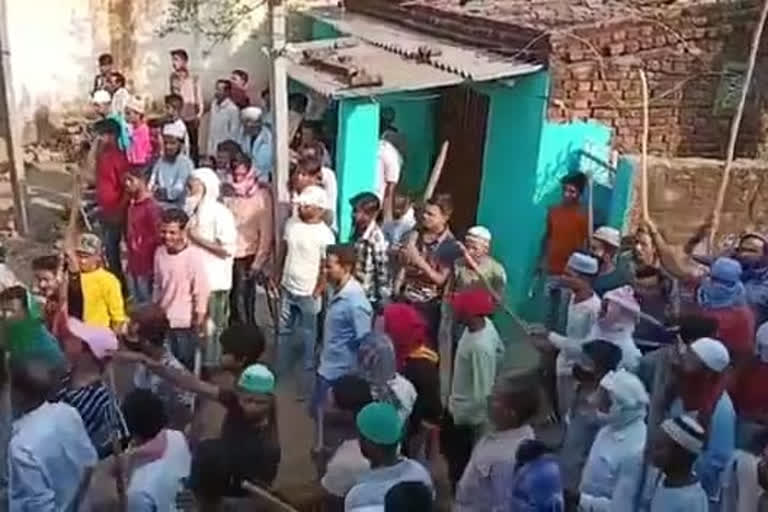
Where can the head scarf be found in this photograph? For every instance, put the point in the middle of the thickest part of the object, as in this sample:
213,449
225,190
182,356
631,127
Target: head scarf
245,187
378,367
474,302
723,288
202,210
629,399
407,329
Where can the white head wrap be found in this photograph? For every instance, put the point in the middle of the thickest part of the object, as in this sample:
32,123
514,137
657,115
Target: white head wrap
712,353
175,130
251,114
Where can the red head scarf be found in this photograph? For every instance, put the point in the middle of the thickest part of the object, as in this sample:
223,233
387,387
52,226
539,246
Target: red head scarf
407,329
474,302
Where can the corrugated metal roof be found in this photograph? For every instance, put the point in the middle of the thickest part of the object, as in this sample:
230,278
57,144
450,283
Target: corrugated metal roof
390,51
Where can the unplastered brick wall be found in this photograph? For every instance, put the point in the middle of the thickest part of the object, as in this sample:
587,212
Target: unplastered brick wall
682,193
684,55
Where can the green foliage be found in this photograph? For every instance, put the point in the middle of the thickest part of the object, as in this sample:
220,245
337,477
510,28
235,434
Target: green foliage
216,21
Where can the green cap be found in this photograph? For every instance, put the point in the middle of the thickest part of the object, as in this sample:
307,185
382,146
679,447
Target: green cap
257,378
379,423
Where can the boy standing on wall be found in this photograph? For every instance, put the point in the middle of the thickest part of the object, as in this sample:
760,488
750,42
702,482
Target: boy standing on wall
187,86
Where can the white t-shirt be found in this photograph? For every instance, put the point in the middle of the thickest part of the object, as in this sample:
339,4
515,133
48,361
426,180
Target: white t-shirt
154,486
389,164
344,468
306,244
405,393
332,189
581,318
218,225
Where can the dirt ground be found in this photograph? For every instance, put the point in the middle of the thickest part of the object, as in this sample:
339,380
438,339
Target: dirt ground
48,193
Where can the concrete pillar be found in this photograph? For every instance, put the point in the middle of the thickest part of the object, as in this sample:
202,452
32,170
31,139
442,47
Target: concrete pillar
357,147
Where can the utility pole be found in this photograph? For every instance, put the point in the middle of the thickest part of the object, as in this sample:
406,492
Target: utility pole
13,134
280,129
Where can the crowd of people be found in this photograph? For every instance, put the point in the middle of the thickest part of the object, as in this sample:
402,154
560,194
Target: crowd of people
651,365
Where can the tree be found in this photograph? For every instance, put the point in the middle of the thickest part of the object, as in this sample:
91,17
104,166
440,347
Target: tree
216,21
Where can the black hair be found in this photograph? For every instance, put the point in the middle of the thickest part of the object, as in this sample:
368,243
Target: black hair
519,391
351,393
226,82
603,353
33,376
529,450
345,253
119,77
107,127
156,122
243,341
144,414
366,201
176,215
180,52
310,163
241,158
49,262
105,59
230,146
265,92
153,324
143,172
408,497
444,202
175,100
298,102
695,326
242,74
576,179
16,292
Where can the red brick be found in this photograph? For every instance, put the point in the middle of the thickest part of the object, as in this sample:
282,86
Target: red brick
606,113
580,104
616,49
619,35
632,46
583,113
584,86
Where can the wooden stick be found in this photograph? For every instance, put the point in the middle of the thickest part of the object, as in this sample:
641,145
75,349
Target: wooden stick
117,448
736,125
276,503
644,148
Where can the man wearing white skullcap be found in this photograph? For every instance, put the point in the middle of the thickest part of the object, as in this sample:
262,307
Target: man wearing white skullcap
609,478
476,267
674,453
256,141
614,271
170,173
701,391
583,310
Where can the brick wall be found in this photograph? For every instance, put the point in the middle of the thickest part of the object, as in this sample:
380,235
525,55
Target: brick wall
683,54
682,192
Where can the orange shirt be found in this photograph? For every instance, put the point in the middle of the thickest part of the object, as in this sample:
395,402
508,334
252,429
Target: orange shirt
567,232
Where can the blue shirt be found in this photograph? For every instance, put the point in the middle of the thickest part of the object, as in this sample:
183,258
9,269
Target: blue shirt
48,456
534,487
347,321
719,447
260,149
172,177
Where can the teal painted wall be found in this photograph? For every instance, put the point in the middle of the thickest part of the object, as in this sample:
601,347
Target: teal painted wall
509,184
416,119
357,145
322,30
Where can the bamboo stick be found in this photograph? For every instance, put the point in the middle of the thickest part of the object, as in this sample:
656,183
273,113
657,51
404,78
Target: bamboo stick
275,503
736,125
644,148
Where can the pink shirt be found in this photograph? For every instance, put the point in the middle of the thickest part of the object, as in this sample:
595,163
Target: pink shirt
140,151
180,286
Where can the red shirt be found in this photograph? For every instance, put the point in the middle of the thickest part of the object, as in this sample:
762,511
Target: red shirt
749,390
111,166
736,329
567,232
142,235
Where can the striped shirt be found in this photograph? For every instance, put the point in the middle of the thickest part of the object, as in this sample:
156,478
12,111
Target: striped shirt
99,410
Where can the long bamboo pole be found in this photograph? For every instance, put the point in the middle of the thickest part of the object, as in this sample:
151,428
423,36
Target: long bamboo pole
644,148
736,125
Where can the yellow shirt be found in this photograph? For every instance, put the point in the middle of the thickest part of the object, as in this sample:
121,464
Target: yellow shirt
102,299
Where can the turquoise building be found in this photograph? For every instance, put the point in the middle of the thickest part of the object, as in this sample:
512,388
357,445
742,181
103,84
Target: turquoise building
505,158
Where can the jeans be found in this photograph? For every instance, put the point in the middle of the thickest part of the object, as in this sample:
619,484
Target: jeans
140,287
298,315
184,343
111,235
242,298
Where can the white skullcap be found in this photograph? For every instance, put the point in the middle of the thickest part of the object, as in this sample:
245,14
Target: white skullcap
175,130
609,235
251,114
101,96
480,232
626,389
761,342
712,353
685,431
313,196
583,263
